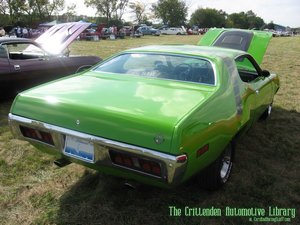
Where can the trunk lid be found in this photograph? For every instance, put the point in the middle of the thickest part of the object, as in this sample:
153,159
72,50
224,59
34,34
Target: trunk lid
133,110
252,41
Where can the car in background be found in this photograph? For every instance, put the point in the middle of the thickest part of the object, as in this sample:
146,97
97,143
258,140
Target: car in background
90,34
128,30
25,63
173,30
147,30
155,114
95,33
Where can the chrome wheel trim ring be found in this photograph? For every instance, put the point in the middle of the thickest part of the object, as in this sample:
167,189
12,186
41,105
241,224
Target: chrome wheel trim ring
226,165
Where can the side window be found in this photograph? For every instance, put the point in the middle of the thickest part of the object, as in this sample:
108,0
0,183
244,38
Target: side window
246,69
3,52
24,51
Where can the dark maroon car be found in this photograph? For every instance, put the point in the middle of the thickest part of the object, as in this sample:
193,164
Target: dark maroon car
25,63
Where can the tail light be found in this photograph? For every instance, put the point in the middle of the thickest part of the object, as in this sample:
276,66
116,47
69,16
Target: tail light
37,135
181,158
150,167
133,162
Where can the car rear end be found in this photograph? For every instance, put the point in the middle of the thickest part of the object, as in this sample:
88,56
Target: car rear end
113,157
100,132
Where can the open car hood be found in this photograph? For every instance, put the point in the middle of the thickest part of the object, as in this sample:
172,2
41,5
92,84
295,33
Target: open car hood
252,41
57,38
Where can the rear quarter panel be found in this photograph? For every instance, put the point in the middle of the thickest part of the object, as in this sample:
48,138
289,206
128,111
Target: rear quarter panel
214,123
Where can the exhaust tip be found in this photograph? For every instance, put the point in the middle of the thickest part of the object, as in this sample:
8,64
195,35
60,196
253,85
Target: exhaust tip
130,185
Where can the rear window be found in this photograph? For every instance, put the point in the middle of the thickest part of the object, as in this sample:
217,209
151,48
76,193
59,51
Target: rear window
181,68
239,40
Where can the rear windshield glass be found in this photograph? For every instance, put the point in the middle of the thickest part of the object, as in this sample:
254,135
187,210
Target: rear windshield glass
239,40
182,68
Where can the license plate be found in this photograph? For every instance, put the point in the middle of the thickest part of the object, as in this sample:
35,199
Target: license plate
79,149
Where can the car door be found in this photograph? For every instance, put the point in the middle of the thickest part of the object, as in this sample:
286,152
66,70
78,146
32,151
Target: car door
147,30
5,81
259,86
143,30
30,65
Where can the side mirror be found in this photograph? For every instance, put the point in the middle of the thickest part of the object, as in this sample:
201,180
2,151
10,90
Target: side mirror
265,73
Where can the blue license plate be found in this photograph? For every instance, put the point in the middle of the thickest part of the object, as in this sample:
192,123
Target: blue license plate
79,149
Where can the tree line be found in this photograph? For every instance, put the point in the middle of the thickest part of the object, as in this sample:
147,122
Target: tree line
171,12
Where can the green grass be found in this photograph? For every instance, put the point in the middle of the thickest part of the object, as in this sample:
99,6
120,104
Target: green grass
266,172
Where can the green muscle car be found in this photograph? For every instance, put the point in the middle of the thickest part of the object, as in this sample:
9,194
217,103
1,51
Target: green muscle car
155,114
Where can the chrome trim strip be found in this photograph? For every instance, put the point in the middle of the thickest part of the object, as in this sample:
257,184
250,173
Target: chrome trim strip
173,170
91,138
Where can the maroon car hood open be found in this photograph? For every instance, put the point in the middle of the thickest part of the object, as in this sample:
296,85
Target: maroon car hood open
59,37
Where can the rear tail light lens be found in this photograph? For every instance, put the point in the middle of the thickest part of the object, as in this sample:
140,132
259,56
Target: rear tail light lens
181,158
150,167
135,163
37,135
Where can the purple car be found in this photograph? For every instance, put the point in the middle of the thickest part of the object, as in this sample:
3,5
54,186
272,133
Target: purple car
25,63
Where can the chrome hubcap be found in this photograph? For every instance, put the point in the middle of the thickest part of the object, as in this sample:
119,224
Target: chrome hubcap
226,165
269,109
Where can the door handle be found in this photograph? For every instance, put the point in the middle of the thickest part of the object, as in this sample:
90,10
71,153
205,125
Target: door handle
17,67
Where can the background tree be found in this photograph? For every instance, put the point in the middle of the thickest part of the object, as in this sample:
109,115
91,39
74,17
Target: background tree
208,17
121,7
238,20
243,20
254,22
70,13
270,26
12,8
139,10
44,9
108,8
3,7
172,12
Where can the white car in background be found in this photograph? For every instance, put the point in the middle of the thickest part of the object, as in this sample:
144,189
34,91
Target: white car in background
173,30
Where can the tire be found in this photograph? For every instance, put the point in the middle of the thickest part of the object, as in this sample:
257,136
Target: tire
267,113
218,173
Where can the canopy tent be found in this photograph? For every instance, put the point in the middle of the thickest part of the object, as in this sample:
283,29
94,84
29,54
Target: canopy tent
49,24
92,25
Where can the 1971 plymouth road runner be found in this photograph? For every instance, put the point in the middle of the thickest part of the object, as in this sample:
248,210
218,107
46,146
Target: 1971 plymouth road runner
156,114
25,63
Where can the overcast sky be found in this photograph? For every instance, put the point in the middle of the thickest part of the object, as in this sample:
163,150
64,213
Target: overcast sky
283,12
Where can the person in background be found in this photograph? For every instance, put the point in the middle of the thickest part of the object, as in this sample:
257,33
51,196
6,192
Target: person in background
25,32
19,32
2,32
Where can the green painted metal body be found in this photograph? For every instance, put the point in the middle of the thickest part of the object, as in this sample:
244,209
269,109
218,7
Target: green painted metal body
257,46
134,110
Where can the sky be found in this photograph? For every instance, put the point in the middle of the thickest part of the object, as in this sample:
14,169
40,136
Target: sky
283,12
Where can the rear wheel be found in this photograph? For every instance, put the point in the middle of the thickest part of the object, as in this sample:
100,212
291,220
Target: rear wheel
217,174
266,114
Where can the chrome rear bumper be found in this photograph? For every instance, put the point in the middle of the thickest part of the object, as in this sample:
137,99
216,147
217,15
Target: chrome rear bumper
172,168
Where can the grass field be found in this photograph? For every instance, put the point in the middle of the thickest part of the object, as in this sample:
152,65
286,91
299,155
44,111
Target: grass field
266,172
